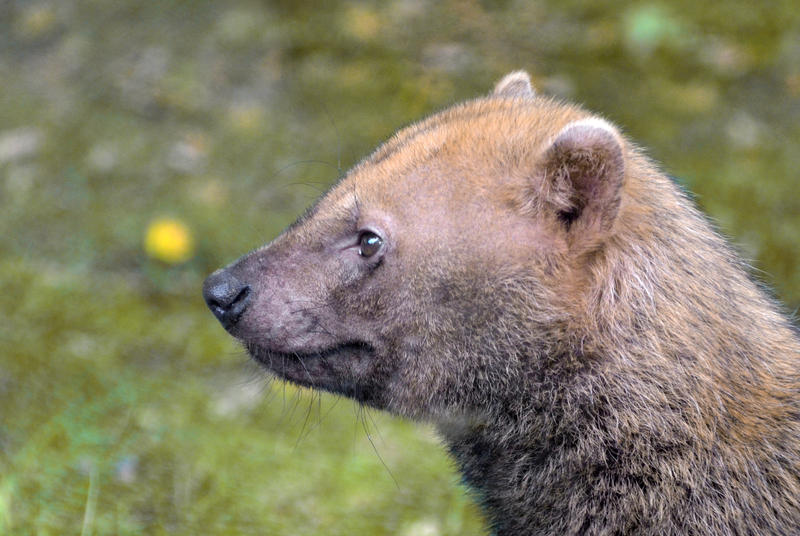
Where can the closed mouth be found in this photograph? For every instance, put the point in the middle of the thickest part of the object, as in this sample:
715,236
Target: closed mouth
331,369
259,353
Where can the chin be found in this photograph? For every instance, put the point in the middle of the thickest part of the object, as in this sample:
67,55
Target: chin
338,369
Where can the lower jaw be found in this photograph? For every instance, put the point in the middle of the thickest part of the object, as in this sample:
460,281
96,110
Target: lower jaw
332,369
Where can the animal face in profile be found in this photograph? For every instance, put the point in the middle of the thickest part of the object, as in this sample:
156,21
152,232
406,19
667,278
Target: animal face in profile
439,273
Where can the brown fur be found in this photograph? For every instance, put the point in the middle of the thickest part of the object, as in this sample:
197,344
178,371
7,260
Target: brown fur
595,356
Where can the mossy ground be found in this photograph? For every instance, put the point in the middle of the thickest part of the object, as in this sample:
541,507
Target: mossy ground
124,407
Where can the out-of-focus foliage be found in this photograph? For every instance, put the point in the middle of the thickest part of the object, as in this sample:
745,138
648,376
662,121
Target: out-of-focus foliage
124,408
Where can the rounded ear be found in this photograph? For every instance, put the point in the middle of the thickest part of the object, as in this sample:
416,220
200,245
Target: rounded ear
583,170
515,84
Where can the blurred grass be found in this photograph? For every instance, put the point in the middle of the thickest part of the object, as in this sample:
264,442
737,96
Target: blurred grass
124,408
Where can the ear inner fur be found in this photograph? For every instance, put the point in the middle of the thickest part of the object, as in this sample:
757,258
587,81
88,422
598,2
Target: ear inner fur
583,174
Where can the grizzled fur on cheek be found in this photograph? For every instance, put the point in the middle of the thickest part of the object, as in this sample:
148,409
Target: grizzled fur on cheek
461,358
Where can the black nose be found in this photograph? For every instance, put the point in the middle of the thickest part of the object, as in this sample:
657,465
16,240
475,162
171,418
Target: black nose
226,296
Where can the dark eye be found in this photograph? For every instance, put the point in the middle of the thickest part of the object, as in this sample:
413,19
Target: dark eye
369,244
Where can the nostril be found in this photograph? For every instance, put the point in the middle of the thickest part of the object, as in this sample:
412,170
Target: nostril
240,300
226,296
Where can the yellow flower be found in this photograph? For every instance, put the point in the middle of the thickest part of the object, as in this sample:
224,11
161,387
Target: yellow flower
169,240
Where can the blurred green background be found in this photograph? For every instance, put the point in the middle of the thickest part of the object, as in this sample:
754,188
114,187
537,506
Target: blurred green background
144,144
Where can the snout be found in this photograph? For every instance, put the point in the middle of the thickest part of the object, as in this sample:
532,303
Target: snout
226,296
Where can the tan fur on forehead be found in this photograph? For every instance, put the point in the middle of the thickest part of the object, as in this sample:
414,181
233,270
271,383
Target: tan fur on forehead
486,130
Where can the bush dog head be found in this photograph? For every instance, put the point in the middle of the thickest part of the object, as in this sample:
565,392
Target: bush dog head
454,242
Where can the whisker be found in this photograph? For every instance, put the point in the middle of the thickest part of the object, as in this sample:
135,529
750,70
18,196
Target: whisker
305,422
378,454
